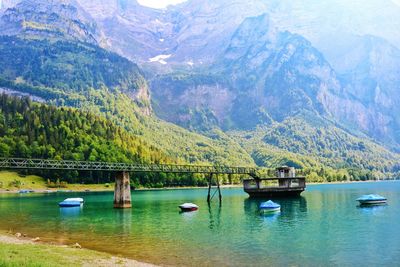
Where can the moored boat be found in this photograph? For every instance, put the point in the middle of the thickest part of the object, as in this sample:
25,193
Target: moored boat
188,207
269,207
371,199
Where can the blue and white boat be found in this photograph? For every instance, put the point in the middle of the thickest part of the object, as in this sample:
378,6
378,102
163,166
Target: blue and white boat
371,199
269,206
71,202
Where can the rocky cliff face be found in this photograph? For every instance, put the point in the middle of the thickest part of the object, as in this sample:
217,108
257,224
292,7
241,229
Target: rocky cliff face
370,74
49,19
275,74
263,75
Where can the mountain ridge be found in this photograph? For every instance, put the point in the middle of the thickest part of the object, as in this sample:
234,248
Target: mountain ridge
254,76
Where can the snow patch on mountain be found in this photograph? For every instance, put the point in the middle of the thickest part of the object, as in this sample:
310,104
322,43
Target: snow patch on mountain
160,59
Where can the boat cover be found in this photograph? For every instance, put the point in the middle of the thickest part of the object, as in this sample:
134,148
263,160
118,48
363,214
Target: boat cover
269,205
74,199
371,197
188,206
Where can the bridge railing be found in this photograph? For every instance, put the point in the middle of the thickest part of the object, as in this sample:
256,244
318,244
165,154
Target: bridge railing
47,164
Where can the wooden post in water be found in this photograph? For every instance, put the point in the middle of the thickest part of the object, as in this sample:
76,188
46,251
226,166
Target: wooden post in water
219,191
209,188
209,197
122,191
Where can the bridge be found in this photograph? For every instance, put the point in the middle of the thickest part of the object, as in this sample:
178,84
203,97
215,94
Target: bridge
122,192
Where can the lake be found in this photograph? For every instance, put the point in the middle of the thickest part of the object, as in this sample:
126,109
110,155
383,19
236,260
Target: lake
324,227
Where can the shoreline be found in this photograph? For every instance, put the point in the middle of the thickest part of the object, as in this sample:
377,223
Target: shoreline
61,254
111,189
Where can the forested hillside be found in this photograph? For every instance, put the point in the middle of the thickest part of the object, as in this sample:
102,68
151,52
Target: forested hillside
67,69
94,80
319,150
32,130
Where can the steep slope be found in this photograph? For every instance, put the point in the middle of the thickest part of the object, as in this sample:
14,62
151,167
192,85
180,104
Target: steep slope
370,73
108,85
69,68
145,30
321,150
262,75
49,19
196,34
268,77
40,131
36,130
189,34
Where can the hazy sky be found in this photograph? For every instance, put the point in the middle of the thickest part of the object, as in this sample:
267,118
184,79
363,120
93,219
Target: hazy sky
159,3
397,2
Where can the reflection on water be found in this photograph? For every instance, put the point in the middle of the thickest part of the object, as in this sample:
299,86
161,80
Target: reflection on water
70,212
123,220
188,215
214,213
372,209
269,217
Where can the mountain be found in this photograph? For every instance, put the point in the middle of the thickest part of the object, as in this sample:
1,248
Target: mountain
351,81
369,71
245,80
333,23
49,19
64,71
116,91
278,102
272,75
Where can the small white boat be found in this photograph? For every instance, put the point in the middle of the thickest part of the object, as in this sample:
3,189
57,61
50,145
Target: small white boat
188,207
269,207
77,199
371,199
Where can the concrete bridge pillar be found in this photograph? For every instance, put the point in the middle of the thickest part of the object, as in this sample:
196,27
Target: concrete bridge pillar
122,191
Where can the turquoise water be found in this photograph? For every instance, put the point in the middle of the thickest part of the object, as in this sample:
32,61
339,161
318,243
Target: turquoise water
322,228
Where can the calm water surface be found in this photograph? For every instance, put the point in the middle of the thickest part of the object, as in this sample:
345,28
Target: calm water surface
324,227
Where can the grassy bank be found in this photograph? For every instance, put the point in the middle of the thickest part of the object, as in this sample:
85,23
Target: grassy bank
12,181
23,252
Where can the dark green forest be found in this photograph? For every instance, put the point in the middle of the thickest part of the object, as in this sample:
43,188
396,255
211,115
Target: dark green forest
32,130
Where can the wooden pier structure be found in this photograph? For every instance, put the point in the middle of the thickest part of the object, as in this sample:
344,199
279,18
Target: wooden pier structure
122,192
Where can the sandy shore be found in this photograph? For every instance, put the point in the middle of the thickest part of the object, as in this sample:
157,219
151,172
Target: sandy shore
86,257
